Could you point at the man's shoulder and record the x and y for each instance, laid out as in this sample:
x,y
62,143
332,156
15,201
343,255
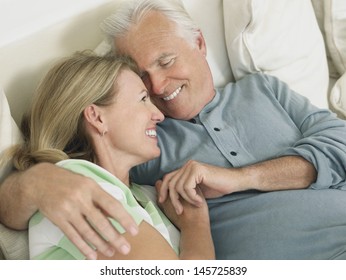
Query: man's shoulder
x,y
248,81
258,80
258,76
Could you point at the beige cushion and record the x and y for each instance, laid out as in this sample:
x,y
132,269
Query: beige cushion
x,y
338,97
9,132
335,32
13,244
209,17
280,38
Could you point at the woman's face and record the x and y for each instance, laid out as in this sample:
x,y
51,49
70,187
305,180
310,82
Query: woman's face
x,y
132,120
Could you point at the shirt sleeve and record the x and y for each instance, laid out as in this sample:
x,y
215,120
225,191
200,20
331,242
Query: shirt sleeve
x,y
323,141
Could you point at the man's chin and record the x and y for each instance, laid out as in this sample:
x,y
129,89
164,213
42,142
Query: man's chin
x,y
180,116
176,112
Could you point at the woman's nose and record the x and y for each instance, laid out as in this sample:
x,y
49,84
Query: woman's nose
x,y
157,114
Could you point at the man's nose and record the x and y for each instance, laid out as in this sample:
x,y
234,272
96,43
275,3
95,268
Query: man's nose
x,y
158,83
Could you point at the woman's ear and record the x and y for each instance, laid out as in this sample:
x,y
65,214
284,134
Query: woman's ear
x,y
93,117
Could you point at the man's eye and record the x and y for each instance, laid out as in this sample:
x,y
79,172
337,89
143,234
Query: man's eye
x,y
167,63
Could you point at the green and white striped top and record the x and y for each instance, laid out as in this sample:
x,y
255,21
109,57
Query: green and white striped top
x,y
47,241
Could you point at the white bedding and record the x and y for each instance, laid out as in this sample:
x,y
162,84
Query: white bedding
x,y
33,33
241,38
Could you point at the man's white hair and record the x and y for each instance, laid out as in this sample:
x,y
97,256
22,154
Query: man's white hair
x,y
130,12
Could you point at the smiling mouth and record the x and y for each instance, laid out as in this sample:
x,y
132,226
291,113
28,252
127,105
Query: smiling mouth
x,y
151,133
173,95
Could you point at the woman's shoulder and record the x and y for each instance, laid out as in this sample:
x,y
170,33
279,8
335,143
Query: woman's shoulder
x,y
91,170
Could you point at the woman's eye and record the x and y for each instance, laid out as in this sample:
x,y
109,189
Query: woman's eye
x,y
145,98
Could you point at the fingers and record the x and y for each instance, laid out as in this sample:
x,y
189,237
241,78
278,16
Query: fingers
x,y
178,183
82,215
166,188
73,235
86,239
174,196
162,191
109,207
184,182
103,236
92,231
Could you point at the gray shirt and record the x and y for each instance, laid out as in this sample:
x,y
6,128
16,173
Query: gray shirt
x,y
255,119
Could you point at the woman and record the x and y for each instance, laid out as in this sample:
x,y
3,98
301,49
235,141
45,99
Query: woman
x,y
93,115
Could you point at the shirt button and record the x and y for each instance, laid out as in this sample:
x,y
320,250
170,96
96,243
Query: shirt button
x,y
193,121
233,153
217,129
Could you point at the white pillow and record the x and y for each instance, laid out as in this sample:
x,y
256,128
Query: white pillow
x,y
280,38
208,15
9,132
338,96
335,32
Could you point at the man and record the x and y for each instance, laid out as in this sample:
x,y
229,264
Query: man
x,y
241,146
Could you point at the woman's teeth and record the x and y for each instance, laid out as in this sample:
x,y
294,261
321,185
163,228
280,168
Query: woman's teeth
x,y
151,133
173,95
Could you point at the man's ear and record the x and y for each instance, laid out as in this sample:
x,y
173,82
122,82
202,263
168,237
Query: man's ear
x,y
200,41
93,117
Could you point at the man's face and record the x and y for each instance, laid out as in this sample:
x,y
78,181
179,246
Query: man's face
x,y
175,72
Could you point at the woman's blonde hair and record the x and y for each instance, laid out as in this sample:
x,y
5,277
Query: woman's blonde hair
x,y
53,129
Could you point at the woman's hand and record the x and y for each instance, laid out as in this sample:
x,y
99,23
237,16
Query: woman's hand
x,y
212,180
192,214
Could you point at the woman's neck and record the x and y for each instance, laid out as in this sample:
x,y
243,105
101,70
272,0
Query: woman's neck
x,y
116,168
115,162
121,173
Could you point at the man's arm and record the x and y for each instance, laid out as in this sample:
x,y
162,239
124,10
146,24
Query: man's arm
x,y
289,172
13,212
71,201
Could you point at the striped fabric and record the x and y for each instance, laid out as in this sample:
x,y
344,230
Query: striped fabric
x,y
47,241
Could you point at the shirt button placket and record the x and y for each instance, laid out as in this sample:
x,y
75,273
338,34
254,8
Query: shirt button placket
x,y
233,153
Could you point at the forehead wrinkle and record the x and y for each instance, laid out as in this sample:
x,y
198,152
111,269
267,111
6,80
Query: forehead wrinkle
x,y
154,35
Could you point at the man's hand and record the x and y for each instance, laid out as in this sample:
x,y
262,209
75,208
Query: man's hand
x,y
73,203
283,173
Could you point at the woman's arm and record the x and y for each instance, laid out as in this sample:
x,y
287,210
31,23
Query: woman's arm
x,y
195,240
57,193
148,244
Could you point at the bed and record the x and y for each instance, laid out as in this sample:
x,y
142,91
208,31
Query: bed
x,y
303,42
